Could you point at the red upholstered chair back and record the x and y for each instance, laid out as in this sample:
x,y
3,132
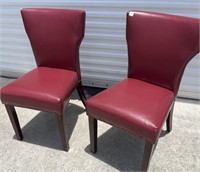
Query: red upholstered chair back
x,y
54,41
160,46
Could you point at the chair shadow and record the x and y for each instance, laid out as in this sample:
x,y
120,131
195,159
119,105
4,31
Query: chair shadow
x,y
88,91
121,150
43,130
163,133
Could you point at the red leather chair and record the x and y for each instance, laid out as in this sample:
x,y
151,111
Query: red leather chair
x,y
159,47
55,36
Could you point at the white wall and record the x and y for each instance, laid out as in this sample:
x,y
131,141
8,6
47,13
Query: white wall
x,y
103,52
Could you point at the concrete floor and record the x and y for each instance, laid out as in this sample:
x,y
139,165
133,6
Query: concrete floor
x,y
41,149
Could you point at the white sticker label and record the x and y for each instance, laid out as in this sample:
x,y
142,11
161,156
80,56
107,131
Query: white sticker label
x,y
131,13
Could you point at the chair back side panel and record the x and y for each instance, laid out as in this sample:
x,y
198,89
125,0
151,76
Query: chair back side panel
x,y
55,36
160,46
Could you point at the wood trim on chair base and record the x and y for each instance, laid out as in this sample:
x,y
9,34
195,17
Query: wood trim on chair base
x,y
18,132
148,149
81,93
61,127
93,134
169,119
14,121
148,152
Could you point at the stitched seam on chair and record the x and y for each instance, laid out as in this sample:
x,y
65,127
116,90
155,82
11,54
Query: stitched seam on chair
x,y
41,109
123,129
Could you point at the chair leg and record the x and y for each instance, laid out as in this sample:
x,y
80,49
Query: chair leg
x,y
169,119
81,92
14,120
93,134
148,152
65,142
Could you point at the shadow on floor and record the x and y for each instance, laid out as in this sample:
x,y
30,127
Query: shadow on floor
x,y
119,149
43,130
89,91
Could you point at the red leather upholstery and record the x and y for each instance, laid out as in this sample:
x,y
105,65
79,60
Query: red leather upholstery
x,y
55,46
134,105
160,46
44,88
55,36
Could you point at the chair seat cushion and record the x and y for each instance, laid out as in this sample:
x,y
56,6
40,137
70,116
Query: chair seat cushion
x,y
136,106
42,88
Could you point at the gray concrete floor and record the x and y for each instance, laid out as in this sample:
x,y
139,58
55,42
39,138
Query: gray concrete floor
x,y
41,149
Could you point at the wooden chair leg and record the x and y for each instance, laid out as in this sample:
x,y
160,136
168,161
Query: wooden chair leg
x,y
81,92
60,122
148,152
93,134
169,119
14,120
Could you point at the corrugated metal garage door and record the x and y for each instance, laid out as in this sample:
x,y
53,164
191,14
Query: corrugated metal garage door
x,y
103,52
